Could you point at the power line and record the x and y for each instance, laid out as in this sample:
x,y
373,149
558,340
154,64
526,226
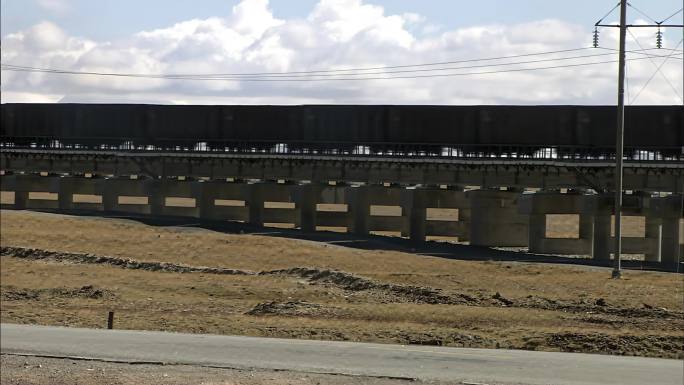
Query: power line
x,y
322,73
284,75
344,71
644,50
657,70
654,74
607,14
671,16
262,79
642,13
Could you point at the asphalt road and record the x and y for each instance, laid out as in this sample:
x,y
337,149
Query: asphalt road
x,y
439,363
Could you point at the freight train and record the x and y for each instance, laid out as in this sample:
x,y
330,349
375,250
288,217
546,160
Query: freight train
x,y
377,129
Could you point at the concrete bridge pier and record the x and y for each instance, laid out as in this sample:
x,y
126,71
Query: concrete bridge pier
x,y
668,212
599,209
358,207
540,204
107,189
255,203
154,190
586,230
65,192
464,217
205,193
537,233
654,230
670,248
306,198
414,203
495,219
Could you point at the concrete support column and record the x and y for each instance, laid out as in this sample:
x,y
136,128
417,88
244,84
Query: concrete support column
x,y
597,209
654,231
670,210
306,198
669,248
204,193
20,199
586,226
154,189
464,216
65,192
537,232
255,203
495,219
358,204
601,242
586,232
414,209
108,189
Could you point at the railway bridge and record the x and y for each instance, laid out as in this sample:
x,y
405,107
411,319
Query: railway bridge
x,y
498,190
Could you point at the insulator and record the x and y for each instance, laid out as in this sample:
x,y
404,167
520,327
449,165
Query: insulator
x,y
596,37
659,39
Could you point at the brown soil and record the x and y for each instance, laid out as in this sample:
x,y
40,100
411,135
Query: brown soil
x,y
18,370
190,280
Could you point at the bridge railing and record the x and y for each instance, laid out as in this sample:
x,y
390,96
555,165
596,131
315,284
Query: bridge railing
x,y
353,149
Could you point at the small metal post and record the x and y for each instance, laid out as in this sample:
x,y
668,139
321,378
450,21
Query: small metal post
x,y
110,320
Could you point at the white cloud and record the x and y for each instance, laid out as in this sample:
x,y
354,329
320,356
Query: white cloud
x,y
55,6
45,36
337,34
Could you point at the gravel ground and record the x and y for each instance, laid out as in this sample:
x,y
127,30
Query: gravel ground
x,y
21,370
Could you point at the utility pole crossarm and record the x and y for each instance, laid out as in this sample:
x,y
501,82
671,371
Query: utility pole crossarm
x,y
642,25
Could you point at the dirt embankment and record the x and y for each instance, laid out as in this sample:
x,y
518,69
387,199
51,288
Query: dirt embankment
x,y
10,293
125,263
338,299
385,292
380,291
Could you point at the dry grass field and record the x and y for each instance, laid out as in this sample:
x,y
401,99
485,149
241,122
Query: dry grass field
x,y
321,291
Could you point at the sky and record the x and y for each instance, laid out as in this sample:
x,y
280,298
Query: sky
x,y
276,36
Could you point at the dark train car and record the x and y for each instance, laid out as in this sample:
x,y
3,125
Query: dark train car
x,y
523,125
346,123
108,124
331,124
27,123
345,128
272,124
594,126
662,132
425,128
644,128
176,125
428,125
